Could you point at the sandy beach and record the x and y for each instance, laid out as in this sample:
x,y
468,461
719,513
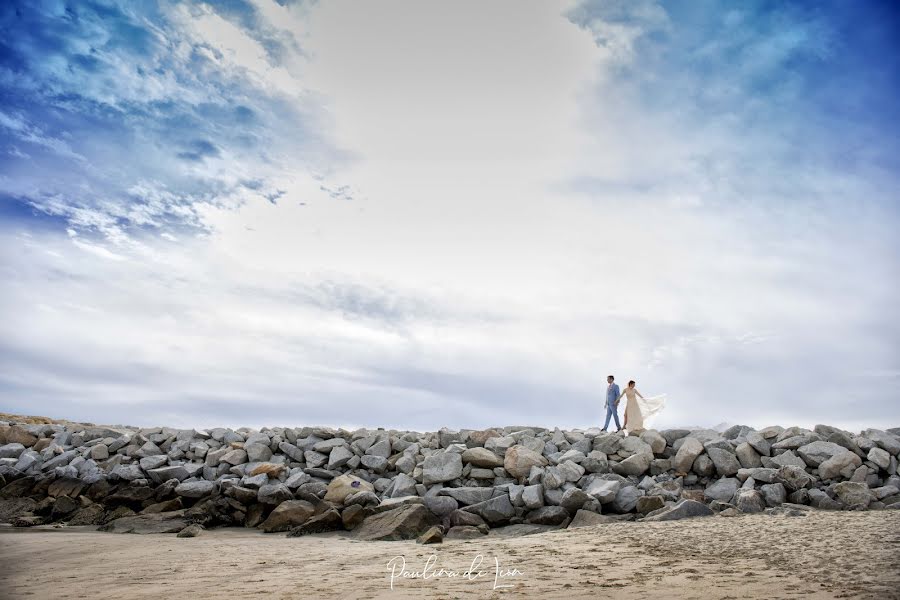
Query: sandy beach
x,y
822,555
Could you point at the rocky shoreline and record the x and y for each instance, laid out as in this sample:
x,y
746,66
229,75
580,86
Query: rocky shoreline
x,y
391,485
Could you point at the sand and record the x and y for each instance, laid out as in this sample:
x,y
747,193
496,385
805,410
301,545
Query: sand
x,y
822,555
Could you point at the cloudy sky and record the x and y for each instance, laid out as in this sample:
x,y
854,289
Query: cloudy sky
x,y
420,214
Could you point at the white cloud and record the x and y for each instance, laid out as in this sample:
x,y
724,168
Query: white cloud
x,y
516,222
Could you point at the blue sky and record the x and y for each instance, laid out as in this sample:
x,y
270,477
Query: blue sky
x,y
420,214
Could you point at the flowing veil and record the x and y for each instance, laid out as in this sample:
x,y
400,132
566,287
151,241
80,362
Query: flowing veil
x,y
651,406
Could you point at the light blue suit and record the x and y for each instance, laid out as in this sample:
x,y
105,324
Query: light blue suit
x,y
612,394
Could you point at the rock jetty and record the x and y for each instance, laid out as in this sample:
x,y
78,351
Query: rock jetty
x,y
389,485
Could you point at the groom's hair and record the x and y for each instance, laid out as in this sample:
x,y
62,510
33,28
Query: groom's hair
x,y
610,377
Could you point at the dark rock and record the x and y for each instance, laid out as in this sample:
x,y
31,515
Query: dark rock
x,y
17,488
241,494
166,506
468,495
117,513
461,517
495,511
547,515
750,501
11,508
66,486
573,499
330,520
131,495
89,515
63,507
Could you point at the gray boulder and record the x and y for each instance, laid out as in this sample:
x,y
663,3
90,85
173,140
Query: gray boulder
x,y
440,467
853,495
842,464
750,501
690,449
726,462
547,515
816,453
195,489
496,511
626,499
722,489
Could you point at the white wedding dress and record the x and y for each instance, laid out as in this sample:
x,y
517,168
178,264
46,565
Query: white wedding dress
x,y
638,411
651,406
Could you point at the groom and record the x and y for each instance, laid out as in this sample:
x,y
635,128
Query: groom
x,y
612,403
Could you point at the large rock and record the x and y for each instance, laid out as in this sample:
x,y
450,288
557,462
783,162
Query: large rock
x,y
329,520
747,456
164,474
842,464
573,499
66,486
816,453
885,440
726,462
547,515
533,496
481,457
653,439
750,501
11,450
441,505
274,493
519,460
635,465
774,493
722,490
626,499
603,490
794,478
287,515
880,457
468,495
164,522
587,518
690,449
787,458
403,523
647,504
258,452
759,443
441,466
345,485
853,495
496,511
683,510
195,489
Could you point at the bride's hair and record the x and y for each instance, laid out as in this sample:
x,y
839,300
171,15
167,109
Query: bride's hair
x,y
631,382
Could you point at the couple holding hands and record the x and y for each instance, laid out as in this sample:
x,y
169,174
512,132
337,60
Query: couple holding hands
x,y
637,407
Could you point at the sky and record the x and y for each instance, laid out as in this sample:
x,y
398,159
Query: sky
x,y
414,214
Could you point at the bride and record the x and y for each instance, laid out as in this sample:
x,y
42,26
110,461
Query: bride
x,y
639,408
